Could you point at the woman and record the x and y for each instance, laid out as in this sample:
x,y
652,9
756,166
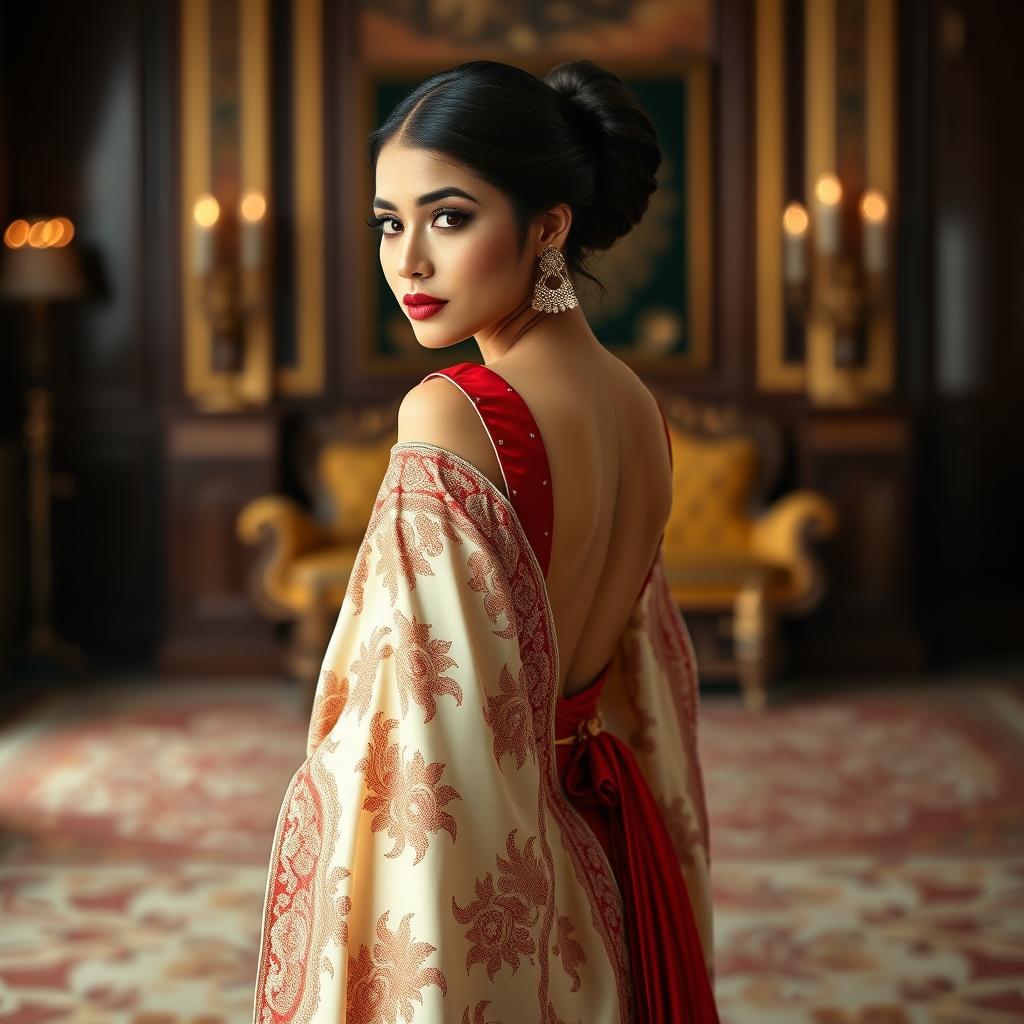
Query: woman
x,y
501,814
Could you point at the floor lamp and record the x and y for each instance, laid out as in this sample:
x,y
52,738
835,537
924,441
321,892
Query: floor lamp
x,y
36,275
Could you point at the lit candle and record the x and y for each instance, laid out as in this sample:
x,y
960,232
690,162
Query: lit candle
x,y
253,209
794,225
874,213
204,216
827,195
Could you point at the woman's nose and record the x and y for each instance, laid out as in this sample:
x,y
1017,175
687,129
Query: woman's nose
x,y
413,260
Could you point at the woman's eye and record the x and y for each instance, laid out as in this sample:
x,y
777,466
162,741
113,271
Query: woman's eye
x,y
451,213
458,216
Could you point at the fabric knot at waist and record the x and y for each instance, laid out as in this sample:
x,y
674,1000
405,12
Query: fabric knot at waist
x,y
586,728
576,716
583,768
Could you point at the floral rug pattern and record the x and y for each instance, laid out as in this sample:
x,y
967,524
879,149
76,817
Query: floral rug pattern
x,y
867,854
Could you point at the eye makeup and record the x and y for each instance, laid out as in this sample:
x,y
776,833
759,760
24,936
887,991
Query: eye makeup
x,y
378,222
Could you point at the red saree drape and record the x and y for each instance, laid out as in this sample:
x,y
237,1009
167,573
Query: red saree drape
x,y
603,781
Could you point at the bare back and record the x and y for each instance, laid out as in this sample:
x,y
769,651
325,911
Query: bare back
x,y
612,480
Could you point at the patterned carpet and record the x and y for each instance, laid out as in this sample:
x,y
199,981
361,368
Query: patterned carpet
x,y
867,851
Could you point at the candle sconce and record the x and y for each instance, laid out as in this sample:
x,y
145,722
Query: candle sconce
x,y
232,294
838,292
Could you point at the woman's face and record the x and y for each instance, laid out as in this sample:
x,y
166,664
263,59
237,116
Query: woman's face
x,y
448,234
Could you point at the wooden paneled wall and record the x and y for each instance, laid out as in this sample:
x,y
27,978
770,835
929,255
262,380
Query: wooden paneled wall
x,y
148,482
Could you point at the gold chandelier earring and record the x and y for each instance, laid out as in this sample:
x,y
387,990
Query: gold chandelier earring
x,y
553,293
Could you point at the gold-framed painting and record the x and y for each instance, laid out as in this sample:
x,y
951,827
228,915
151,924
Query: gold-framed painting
x,y
405,32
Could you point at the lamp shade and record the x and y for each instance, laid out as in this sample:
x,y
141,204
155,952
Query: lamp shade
x,y
53,273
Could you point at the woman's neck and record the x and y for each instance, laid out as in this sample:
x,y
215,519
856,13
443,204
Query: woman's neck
x,y
529,332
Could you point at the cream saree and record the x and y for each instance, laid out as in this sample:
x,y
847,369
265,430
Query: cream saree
x,y
426,865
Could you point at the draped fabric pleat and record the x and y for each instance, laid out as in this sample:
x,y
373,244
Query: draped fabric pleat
x,y
603,781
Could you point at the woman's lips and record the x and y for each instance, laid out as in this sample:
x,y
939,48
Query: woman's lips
x,y
422,310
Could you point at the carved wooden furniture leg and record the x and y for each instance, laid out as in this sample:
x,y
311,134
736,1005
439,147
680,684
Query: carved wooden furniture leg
x,y
753,631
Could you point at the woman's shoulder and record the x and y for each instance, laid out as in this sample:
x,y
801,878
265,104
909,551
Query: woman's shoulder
x,y
438,412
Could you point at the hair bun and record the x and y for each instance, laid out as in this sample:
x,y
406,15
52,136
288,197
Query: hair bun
x,y
610,122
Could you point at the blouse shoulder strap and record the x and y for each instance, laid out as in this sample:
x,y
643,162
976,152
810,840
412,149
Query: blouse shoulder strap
x,y
518,445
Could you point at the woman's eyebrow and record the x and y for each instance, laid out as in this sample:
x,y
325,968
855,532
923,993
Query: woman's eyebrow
x,y
429,197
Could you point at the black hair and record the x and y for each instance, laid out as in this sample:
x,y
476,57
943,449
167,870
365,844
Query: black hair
x,y
578,136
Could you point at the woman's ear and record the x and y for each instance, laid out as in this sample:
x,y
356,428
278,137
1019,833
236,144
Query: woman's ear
x,y
554,227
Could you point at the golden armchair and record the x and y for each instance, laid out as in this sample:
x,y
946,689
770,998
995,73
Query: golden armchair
x,y
305,557
728,554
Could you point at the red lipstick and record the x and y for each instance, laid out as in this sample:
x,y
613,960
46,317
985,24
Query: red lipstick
x,y
420,305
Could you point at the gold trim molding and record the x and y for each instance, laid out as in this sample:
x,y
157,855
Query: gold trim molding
x,y
774,372
307,377
254,164
195,180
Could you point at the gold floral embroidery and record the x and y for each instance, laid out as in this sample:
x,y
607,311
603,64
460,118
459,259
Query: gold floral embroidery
x,y
552,1018
302,909
524,596
478,1014
406,798
300,848
569,950
430,535
673,647
485,516
664,618
485,578
419,664
511,719
330,702
501,921
400,556
641,739
381,987
344,904
365,667
682,830
358,576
